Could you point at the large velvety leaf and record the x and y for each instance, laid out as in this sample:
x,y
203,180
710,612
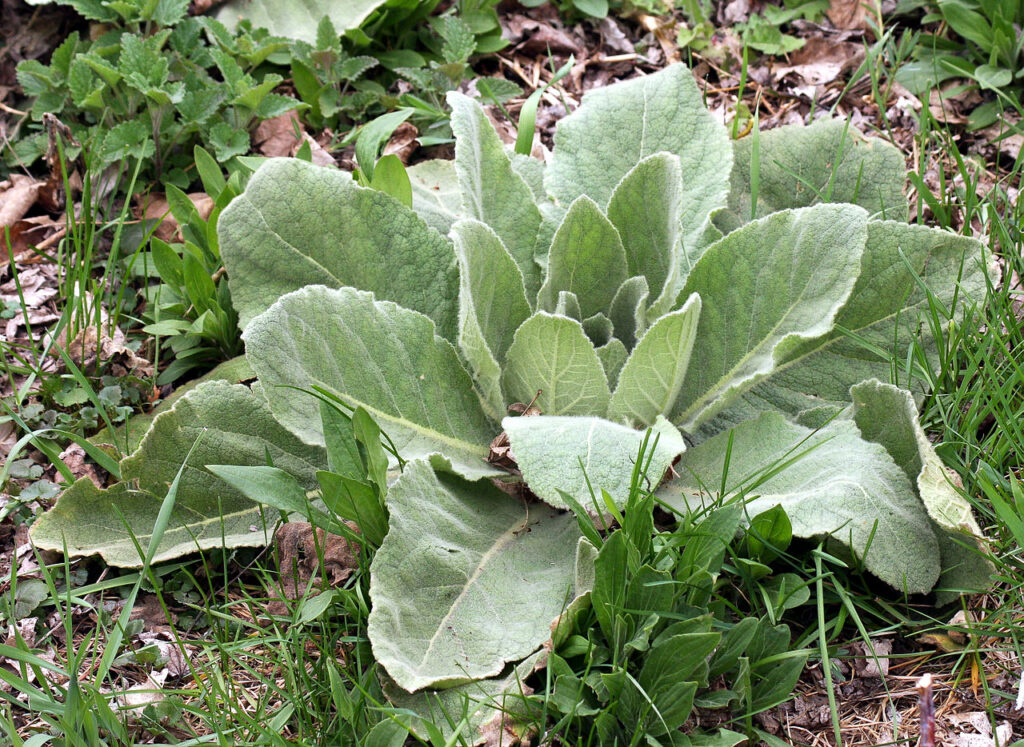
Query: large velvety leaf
x,y
297,19
487,700
829,161
131,432
887,415
766,289
467,579
551,354
886,312
297,224
374,354
562,453
235,427
492,191
618,126
586,259
645,209
841,485
652,376
492,305
435,193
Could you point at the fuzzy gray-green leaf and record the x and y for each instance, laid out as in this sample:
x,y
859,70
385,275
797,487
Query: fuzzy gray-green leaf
x,y
840,485
236,427
766,288
374,354
618,126
586,258
467,579
492,305
653,375
552,354
562,453
297,224
492,191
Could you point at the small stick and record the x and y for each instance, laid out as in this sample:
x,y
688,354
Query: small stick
x,y
926,709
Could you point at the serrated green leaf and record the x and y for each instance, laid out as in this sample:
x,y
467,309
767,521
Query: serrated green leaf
x,y
765,289
618,126
492,306
297,224
653,375
459,587
551,354
492,191
409,380
586,258
840,485
549,451
237,428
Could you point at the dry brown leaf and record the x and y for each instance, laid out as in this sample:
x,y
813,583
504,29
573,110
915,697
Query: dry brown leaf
x,y
317,152
17,196
850,14
279,136
872,659
504,730
74,457
87,348
978,723
403,142
535,37
822,60
299,549
157,209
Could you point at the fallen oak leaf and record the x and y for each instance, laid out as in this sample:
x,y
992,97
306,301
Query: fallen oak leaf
x,y
300,548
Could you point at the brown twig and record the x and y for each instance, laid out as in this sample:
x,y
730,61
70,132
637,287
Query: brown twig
x,y
926,709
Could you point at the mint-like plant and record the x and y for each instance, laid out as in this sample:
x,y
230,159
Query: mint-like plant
x,y
653,274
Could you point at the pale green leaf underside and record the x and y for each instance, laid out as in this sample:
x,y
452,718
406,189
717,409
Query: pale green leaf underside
x,y
492,191
561,453
841,485
652,376
887,415
297,224
551,354
297,19
617,127
460,588
374,354
800,165
436,197
492,305
236,427
586,259
765,288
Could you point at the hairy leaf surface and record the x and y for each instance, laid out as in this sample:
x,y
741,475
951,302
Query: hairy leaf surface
x,y
234,427
297,224
617,127
551,354
562,453
374,354
766,289
841,485
466,580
